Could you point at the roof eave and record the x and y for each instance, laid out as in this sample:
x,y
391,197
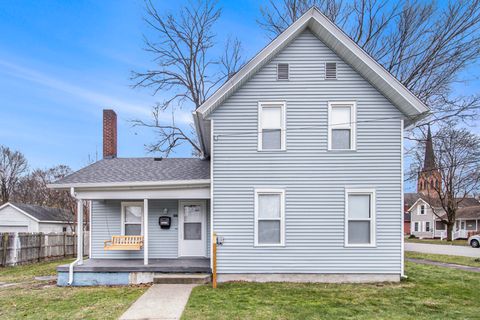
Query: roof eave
x,y
133,184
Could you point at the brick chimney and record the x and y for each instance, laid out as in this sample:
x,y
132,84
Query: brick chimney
x,y
109,134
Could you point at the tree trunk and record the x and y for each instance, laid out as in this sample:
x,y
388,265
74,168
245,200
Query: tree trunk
x,y
449,231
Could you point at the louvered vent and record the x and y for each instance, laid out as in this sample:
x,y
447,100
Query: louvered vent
x,y
331,70
282,71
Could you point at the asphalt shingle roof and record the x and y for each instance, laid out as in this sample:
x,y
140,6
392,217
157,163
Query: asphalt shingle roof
x,y
140,170
45,213
410,198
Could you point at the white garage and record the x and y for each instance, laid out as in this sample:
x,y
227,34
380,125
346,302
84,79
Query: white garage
x,y
19,217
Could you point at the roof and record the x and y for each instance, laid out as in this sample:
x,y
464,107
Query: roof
x,y
468,212
138,170
42,214
344,47
411,198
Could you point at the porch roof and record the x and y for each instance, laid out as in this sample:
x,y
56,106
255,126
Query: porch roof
x,y
137,171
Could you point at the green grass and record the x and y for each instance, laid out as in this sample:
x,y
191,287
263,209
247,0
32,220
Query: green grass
x,y
466,261
430,292
30,299
438,241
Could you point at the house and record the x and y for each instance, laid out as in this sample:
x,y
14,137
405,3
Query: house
x,y
19,217
422,204
302,178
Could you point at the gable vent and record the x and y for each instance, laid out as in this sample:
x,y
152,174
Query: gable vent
x,y
282,71
331,70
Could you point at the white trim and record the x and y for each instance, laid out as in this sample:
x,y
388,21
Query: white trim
x,y
419,210
212,148
132,204
90,229
180,213
415,203
132,184
283,106
352,126
402,207
372,219
336,39
145,231
21,211
282,217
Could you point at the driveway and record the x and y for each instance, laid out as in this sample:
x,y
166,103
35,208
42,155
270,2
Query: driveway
x,y
443,249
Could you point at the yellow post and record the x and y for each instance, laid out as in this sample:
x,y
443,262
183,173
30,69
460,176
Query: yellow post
x,y
214,264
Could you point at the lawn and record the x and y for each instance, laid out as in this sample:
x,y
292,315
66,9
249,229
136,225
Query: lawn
x,y
429,293
31,299
438,241
466,261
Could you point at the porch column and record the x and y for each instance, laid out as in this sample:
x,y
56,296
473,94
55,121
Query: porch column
x,y
80,231
145,231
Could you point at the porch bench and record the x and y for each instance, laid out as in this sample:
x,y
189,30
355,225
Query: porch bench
x,y
124,243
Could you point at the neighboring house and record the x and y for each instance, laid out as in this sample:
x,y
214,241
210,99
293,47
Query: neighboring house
x,y
302,179
406,223
19,217
421,205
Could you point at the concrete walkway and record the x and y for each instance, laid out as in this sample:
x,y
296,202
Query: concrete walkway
x,y
443,264
443,249
161,301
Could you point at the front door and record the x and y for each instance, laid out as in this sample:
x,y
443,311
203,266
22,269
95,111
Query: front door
x,y
192,229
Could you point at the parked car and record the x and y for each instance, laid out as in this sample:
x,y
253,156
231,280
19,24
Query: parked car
x,y
474,241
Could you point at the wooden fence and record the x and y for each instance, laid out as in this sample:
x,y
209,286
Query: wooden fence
x,y
24,248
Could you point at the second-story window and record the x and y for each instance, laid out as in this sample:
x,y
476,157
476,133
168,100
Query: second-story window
x,y
341,126
271,126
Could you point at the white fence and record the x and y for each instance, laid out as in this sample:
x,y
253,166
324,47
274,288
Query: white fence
x,y
25,248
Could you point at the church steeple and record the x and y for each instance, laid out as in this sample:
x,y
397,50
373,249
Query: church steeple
x,y
429,179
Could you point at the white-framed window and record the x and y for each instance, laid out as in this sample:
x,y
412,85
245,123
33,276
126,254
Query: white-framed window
x,y
427,226
132,218
341,125
416,226
269,217
360,217
271,126
421,209
283,70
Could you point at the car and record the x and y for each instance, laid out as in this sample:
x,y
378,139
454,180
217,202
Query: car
x,y
474,241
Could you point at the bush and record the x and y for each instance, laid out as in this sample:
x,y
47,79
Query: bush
x,y
412,237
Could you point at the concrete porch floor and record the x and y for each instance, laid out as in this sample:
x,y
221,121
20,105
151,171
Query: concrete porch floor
x,y
180,265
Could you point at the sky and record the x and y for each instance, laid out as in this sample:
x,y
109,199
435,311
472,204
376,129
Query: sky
x,y
62,62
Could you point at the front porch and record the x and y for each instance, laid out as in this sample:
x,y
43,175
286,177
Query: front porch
x,y
180,265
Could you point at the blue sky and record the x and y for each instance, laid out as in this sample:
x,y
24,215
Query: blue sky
x,y
62,62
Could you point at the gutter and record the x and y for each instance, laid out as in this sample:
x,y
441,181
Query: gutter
x,y
130,185
70,267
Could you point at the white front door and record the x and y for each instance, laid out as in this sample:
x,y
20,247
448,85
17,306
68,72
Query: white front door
x,y
192,228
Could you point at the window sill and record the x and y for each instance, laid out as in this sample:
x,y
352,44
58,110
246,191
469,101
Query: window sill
x,y
360,245
273,151
342,150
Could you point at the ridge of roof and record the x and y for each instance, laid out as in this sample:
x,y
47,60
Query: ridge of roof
x,y
315,20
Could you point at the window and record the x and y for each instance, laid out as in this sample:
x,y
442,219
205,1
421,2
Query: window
x,y
360,217
341,126
271,126
422,209
330,70
64,229
439,225
269,217
427,226
282,71
132,218
415,226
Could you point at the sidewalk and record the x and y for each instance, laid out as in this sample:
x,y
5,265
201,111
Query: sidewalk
x,y
161,301
444,264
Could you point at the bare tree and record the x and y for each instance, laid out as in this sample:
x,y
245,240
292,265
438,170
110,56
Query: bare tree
x,y
187,69
32,189
422,44
13,166
457,154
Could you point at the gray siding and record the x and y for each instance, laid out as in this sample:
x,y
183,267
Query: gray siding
x,y
314,179
163,243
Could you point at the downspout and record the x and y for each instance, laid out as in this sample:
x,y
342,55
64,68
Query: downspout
x,y
70,267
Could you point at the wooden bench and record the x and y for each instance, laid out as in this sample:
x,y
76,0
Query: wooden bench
x,y
124,243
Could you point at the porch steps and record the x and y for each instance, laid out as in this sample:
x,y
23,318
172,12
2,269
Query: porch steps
x,y
182,278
